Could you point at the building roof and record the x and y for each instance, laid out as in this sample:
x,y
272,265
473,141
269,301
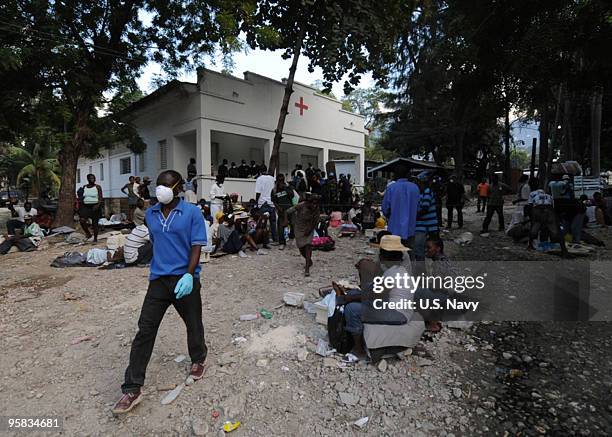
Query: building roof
x,y
410,162
157,94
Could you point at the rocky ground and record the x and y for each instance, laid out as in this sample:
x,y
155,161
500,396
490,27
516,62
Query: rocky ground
x,y
66,335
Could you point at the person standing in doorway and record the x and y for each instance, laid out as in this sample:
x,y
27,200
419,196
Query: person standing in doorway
x,y
91,198
177,232
191,168
455,193
263,195
222,170
217,196
400,206
496,204
483,195
243,170
305,220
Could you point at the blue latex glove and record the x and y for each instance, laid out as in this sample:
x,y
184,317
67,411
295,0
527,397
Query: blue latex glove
x,y
184,286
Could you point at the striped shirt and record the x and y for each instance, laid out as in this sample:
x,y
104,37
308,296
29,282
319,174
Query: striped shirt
x,y
134,241
427,221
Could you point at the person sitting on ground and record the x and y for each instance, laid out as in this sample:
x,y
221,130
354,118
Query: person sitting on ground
x,y
44,219
206,212
18,222
28,241
229,239
368,216
261,233
601,214
233,171
139,212
354,215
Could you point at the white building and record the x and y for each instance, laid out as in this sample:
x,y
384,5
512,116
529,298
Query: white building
x,y
225,117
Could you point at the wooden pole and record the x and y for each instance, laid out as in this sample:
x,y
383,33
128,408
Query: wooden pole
x,y
534,144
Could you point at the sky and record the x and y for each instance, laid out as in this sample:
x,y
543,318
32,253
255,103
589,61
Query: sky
x,y
262,62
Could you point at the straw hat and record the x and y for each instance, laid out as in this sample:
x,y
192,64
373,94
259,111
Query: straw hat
x,y
392,243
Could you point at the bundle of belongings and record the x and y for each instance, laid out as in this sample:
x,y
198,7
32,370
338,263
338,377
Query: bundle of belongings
x,y
348,230
121,251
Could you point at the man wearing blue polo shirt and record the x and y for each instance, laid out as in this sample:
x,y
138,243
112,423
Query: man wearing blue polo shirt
x,y
400,206
177,232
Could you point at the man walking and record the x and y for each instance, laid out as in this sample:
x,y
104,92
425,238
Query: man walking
x,y
400,206
496,204
177,232
454,200
427,219
483,195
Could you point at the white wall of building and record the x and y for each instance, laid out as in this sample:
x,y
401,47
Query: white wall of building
x,y
238,115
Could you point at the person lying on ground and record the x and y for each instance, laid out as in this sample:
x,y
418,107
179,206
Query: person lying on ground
x,y
137,248
28,241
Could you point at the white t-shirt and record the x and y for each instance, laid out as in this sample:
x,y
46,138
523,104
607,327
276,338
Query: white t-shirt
x,y
135,240
21,212
215,191
264,186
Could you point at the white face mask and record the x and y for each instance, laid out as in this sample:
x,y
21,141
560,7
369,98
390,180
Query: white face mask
x,y
164,194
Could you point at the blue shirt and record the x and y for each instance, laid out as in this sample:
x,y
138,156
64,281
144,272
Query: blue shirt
x,y
400,206
427,221
173,238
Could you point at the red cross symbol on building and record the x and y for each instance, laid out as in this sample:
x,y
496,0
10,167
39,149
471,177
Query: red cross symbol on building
x,y
301,105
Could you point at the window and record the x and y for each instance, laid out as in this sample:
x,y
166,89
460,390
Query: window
x,y
125,165
142,159
78,175
101,171
163,155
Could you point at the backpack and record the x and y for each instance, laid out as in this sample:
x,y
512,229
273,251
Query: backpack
x,y
323,243
339,337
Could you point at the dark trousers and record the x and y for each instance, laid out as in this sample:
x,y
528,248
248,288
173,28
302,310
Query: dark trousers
x,y
500,217
481,200
160,296
544,218
13,224
281,224
270,209
23,244
450,208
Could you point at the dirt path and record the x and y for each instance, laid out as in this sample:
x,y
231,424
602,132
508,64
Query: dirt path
x,y
260,382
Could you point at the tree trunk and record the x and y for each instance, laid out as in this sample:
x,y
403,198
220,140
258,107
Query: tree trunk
x,y
568,140
274,165
69,158
507,145
543,155
458,140
534,144
596,105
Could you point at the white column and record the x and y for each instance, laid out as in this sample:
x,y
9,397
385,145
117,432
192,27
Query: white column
x,y
203,154
322,158
360,165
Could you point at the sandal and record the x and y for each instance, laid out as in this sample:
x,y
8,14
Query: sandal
x,y
350,358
